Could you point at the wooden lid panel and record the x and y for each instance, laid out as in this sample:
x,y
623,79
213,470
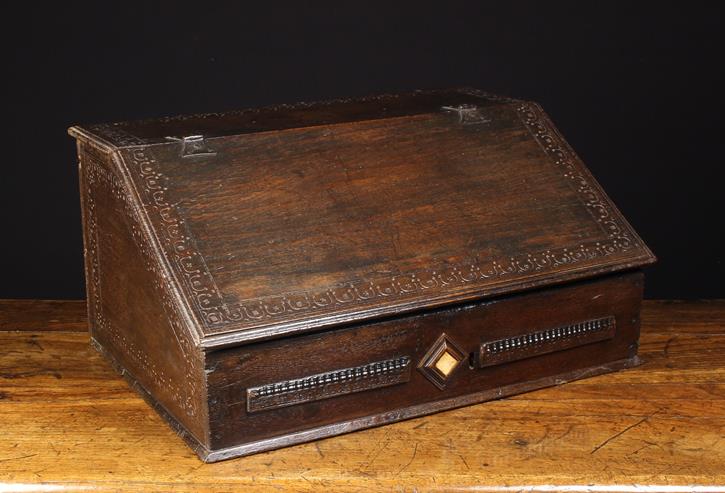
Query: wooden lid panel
x,y
274,232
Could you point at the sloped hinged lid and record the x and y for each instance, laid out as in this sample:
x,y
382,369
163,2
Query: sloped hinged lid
x,y
281,220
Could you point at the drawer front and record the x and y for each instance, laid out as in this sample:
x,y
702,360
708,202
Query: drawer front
x,y
277,388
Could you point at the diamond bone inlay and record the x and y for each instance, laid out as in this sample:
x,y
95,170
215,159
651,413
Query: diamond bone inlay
x,y
442,359
446,363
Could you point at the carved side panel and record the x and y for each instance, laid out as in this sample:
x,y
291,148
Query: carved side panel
x,y
131,312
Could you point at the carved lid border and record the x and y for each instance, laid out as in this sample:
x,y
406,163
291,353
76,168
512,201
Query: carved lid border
x,y
216,315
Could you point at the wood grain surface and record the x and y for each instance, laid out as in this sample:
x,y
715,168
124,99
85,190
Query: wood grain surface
x,y
213,259
41,315
68,422
340,212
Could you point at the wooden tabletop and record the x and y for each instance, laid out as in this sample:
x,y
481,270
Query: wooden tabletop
x,y
68,422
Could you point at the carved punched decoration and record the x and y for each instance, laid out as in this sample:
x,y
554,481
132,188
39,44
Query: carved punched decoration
x,y
215,314
331,384
96,176
113,132
545,341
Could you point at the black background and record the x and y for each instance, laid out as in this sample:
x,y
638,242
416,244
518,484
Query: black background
x,y
637,89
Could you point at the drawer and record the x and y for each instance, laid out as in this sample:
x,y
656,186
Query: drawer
x,y
275,393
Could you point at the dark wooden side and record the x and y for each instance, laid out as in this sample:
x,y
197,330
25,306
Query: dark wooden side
x,y
290,369
132,318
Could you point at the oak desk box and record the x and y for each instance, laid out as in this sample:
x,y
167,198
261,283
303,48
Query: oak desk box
x,y
272,276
